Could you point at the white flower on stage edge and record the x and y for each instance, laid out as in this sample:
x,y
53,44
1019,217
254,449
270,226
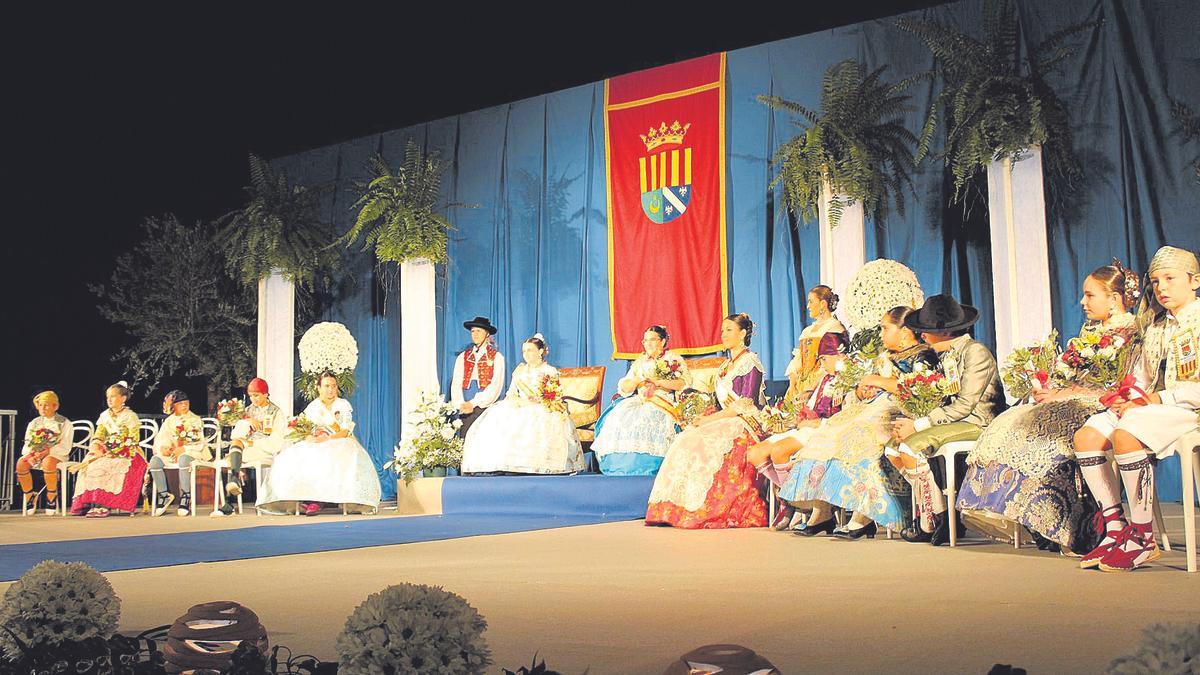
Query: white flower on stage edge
x,y
878,287
328,346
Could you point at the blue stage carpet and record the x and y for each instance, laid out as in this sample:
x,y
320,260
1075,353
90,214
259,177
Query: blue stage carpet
x,y
471,506
163,550
614,497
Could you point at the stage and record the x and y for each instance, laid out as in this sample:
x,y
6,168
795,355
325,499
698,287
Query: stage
x,y
619,597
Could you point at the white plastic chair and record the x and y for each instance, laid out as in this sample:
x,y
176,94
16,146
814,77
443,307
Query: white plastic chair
x,y
79,448
949,452
1188,449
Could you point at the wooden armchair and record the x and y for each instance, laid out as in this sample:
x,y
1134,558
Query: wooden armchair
x,y
704,372
581,390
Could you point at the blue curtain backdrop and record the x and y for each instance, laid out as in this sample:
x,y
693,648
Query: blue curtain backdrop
x,y
531,251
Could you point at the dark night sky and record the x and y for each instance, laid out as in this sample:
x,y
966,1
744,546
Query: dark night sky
x,y
111,118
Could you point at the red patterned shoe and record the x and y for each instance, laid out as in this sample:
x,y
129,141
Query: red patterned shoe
x,y
1110,522
1134,548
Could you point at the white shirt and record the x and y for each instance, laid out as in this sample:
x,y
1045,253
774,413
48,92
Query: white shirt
x,y
492,392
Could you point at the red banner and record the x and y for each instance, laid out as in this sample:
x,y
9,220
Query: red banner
x,y
664,135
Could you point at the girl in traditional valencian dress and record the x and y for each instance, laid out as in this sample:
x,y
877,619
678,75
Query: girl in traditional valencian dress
x,y
110,477
803,371
47,443
1152,407
529,431
327,467
633,435
842,463
704,481
1023,469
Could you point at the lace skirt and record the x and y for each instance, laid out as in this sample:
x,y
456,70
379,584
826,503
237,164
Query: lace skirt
x,y
337,471
1023,471
705,481
522,437
634,437
842,463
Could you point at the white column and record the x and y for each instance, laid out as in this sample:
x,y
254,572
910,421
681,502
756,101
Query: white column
x,y
277,338
418,335
843,246
1020,255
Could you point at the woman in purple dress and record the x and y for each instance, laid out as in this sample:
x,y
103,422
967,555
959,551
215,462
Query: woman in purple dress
x,y
705,481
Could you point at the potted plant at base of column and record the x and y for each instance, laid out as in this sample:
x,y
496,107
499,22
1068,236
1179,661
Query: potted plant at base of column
x,y
431,445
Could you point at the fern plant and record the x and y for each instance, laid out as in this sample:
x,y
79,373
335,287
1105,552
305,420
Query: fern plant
x,y
857,142
997,104
279,229
398,211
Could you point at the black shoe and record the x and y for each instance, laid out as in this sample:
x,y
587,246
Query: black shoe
x,y
915,535
824,527
185,505
227,509
941,529
867,531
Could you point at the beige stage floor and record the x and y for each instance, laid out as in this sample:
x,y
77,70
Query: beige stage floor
x,y
625,598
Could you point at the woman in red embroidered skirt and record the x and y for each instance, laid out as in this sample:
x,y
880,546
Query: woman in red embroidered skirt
x,y
705,481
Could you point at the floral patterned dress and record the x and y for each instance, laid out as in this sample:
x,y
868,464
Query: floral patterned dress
x,y
634,434
705,481
1023,467
842,462
111,481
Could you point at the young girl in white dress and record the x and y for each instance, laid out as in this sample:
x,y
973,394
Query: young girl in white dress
x,y
525,433
328,467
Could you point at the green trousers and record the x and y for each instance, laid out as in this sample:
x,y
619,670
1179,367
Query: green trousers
x,y
927,442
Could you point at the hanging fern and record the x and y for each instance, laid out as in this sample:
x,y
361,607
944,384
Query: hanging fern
x,y
279,228
857,142
398,212
997,104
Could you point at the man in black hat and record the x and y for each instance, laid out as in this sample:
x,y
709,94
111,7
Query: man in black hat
x,y
478,374
976,397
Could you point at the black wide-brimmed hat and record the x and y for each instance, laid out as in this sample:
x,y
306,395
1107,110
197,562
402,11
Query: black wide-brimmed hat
x,y
942,314
481,322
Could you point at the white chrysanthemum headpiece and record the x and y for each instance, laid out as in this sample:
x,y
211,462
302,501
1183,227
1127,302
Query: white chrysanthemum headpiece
x,y
328,346
878,287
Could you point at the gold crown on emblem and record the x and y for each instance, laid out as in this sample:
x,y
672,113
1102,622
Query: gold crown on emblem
x,y
664,135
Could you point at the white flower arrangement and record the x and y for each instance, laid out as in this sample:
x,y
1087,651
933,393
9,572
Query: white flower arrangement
x,y
56,603
411,628
327,346
878,287
430,441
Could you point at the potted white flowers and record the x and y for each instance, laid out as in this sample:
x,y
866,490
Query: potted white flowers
x,y
431,446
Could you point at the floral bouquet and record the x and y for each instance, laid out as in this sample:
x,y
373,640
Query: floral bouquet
x,y
41,438
230,411
431,441
667,370
300,428
550,394
863,359
1094,358
1030,367
123,443
327,346
693,404
188,434
922,390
